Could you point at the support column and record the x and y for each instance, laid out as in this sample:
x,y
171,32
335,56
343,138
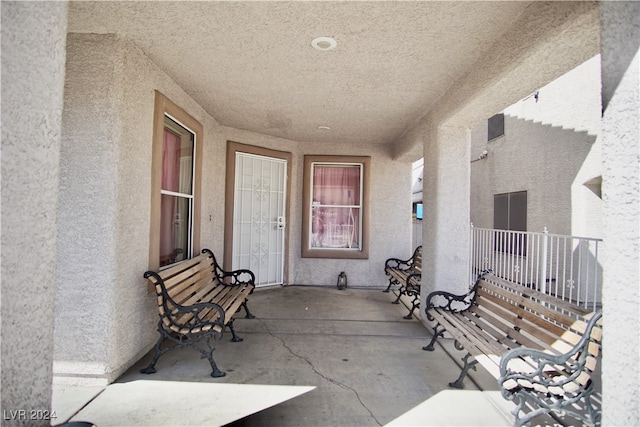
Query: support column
x,y
87,223
445,234
620,41
33,59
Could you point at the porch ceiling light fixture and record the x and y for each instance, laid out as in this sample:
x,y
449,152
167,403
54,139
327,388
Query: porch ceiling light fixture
x,y
324,43
323,128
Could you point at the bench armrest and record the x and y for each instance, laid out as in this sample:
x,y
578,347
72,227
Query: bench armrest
x,y
449,302
398,264
232,278
238,277
534,372
401,264
452,302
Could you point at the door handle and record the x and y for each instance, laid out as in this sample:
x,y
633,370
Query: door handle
x,y
281,223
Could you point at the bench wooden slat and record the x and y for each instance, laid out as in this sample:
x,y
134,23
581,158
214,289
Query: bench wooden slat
x,y
178,268
199,291
535,320
536,339
482,339
446,322
225,295
559,304
523,303
508,308
233,308
523,321
509,337
539,332
193,294
186,278
537,313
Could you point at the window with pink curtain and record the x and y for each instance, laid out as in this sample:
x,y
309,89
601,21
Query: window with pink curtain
x,y
336,206
176,194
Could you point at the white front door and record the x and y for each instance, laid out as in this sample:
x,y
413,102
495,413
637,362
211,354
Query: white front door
x,y
259,217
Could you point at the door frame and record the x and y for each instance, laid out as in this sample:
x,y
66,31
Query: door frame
x,y
229,198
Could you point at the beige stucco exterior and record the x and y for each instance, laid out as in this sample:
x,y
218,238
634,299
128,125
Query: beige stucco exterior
x,y
550,148
75,230
33,52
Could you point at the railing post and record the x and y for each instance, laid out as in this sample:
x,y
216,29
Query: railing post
x,y
543,272
472,253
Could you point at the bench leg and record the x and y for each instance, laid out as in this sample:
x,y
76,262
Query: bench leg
x,y
410,315
415,303
235,338
246,310
391,283
467,366
208,354
150,369
438,331
400,293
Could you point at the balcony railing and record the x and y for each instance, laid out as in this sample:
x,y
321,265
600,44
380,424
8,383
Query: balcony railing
x,y
566,267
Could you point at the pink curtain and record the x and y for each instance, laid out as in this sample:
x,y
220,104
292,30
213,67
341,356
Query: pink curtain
x,y
171,147
335,220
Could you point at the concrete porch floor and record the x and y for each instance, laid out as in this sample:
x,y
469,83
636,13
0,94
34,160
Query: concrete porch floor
x,y
365,361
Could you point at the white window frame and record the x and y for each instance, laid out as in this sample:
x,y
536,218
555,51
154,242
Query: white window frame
x,y
187,196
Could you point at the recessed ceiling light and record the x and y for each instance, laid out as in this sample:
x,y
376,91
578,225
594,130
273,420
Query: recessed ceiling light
x,y
324,43
324,128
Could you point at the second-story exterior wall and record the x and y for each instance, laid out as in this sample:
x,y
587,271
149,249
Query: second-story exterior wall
x,y
550,149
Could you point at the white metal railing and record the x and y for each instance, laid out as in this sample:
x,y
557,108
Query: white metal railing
x,y
566,267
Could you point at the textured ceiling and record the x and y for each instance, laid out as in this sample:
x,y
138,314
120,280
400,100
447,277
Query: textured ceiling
x,y
252,67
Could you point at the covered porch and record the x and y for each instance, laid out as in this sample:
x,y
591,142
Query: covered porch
x,y
78,177
314,356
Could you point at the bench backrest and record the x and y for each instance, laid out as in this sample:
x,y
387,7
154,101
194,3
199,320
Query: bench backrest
x,y
533,319
417,259
184,284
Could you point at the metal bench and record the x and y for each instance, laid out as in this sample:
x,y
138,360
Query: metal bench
x,y
406,274
196,301
543,350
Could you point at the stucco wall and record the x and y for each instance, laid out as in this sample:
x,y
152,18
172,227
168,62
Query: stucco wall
x,y
105,207
540,159
105,203
390,221
550,149
621,194
571,101
33,55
